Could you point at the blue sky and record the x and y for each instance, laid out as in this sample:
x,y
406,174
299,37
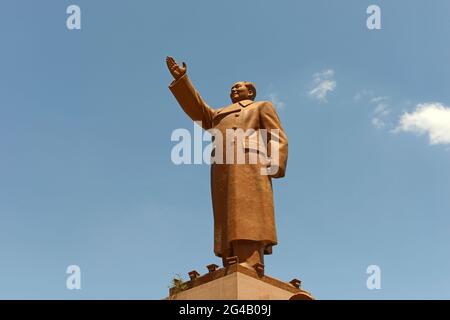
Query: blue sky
x,y
86,118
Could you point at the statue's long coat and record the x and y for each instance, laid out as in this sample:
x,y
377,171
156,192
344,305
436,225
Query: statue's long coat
x,y
242,197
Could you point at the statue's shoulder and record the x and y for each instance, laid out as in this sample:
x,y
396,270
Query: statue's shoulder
x,y
218,110
264,104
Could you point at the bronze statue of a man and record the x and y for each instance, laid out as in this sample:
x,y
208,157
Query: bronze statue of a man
x,y
242,198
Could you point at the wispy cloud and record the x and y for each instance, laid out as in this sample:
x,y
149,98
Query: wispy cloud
x,y
378,123
323,83
362,94
280,105
381,107
381,111
429,118
378,99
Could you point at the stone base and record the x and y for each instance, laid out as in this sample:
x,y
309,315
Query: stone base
x,y
236,282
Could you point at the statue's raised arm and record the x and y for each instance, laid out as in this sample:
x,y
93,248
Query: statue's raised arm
x,y
187,96
175,69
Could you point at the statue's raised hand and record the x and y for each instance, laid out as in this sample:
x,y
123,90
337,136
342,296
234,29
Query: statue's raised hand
x,y
176,71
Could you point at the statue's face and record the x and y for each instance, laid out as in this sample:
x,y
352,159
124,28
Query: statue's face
x,y
240,92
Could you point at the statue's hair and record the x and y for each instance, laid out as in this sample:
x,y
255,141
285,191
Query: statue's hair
x,y
251,86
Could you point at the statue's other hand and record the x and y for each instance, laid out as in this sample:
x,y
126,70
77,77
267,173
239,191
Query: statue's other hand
x,y
176,71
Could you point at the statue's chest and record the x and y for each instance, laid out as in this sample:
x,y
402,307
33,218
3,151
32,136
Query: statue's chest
x,y
244,118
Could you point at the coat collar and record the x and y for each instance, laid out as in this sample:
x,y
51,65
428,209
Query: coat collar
x,y
245,103
235,106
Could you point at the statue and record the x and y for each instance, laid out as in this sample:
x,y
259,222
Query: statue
x,y
242,198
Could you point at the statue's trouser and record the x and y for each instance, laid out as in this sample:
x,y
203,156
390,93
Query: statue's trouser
x,y
249,252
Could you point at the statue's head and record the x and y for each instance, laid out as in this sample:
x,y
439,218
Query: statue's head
x,y
242,91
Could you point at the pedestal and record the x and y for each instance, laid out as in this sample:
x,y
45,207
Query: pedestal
x,y
236,282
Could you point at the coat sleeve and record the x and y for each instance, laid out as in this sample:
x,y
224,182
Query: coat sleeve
x,y
191,101
276,138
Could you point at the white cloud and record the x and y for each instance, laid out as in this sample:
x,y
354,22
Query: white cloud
x,y
276,101
428,118
323,84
